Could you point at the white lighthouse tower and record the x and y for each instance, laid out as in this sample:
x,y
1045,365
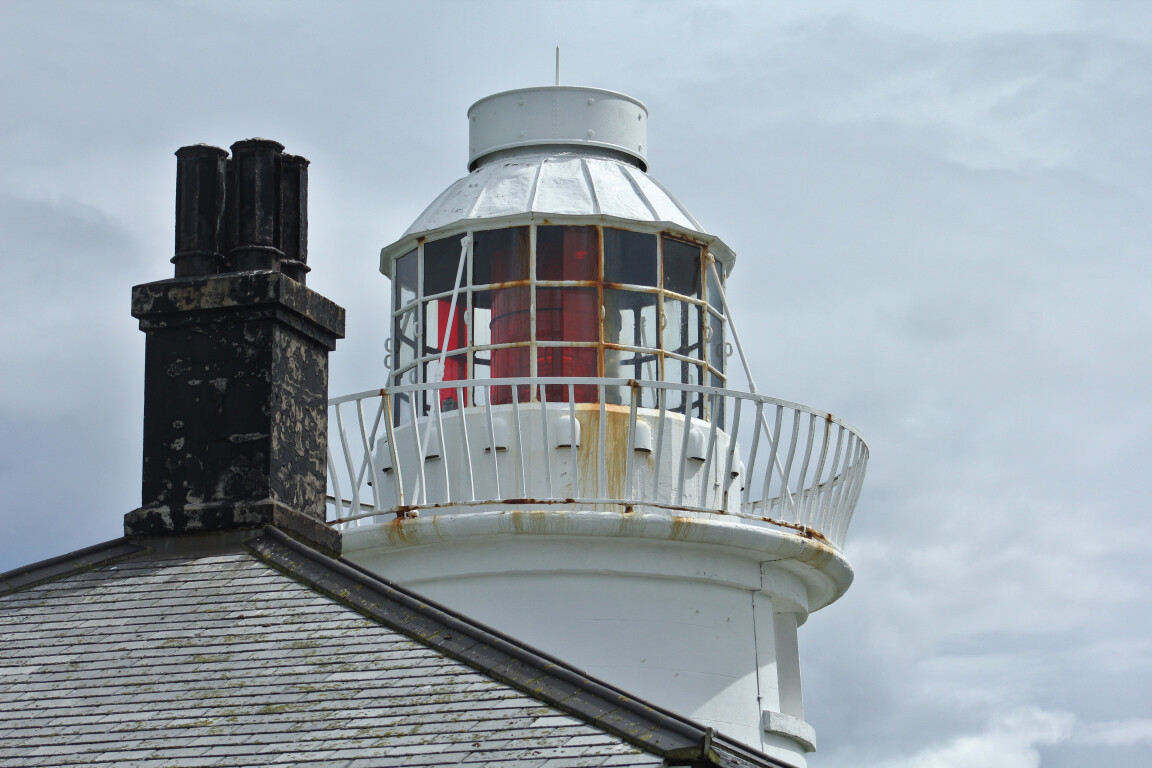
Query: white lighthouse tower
x,y
570,446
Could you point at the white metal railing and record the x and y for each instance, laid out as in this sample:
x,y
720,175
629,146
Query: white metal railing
x,y
743,454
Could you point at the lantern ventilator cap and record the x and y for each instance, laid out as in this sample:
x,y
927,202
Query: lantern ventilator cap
x,y
560,115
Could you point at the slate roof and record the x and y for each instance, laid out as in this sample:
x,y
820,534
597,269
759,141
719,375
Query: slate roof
x,y
241,650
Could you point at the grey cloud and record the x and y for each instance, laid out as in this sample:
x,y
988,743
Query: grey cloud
x,y
941,227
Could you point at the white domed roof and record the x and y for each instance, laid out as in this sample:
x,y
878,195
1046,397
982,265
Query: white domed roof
x,y
560,154
533,187
563,183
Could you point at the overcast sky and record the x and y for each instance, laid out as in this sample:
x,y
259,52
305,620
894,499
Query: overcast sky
x,y
941,216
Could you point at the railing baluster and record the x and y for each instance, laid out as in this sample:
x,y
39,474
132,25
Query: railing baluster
x,y
354,501
369,457
798,513
420,493
662,416
377,496
339,497
364,434
747,503
706,481
845,472
787,471
522,478
574,439
630,444
547,442
461,392
773,462
811,508
730,454
492,437
827,490
858,467
602,472
687,434
843,507
443,448
390,434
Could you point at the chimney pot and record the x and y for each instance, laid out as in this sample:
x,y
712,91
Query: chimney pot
x,y
255,209
200,171
294,216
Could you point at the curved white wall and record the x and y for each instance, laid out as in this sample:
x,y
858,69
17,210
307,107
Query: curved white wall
x,y
696,614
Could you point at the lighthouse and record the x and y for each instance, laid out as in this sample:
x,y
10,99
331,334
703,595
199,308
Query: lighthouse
x,y
570,445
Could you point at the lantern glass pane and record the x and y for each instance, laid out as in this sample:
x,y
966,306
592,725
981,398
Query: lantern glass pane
x,y
404,280
567,253
500,256
567,314
630,318
441,261
630,257
681,267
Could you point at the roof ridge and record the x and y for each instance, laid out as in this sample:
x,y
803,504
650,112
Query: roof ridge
x,y
67,564
540,675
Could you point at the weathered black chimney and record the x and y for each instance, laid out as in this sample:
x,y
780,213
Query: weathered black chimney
x,y
236,362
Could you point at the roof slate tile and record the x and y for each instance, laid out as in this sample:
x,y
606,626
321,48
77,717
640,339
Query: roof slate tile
x,y
142,652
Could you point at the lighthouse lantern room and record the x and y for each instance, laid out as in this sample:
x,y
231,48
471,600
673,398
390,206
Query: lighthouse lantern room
x,y
560,450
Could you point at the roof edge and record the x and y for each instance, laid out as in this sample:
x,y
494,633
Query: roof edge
x,y
68,564
499,656
717,247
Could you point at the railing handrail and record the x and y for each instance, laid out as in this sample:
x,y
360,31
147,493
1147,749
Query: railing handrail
x,y
536,381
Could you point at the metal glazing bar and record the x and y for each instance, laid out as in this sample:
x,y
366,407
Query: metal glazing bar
x,y
465,247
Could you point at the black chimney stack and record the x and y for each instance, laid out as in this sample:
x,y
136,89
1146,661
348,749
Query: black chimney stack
x,y
236,362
